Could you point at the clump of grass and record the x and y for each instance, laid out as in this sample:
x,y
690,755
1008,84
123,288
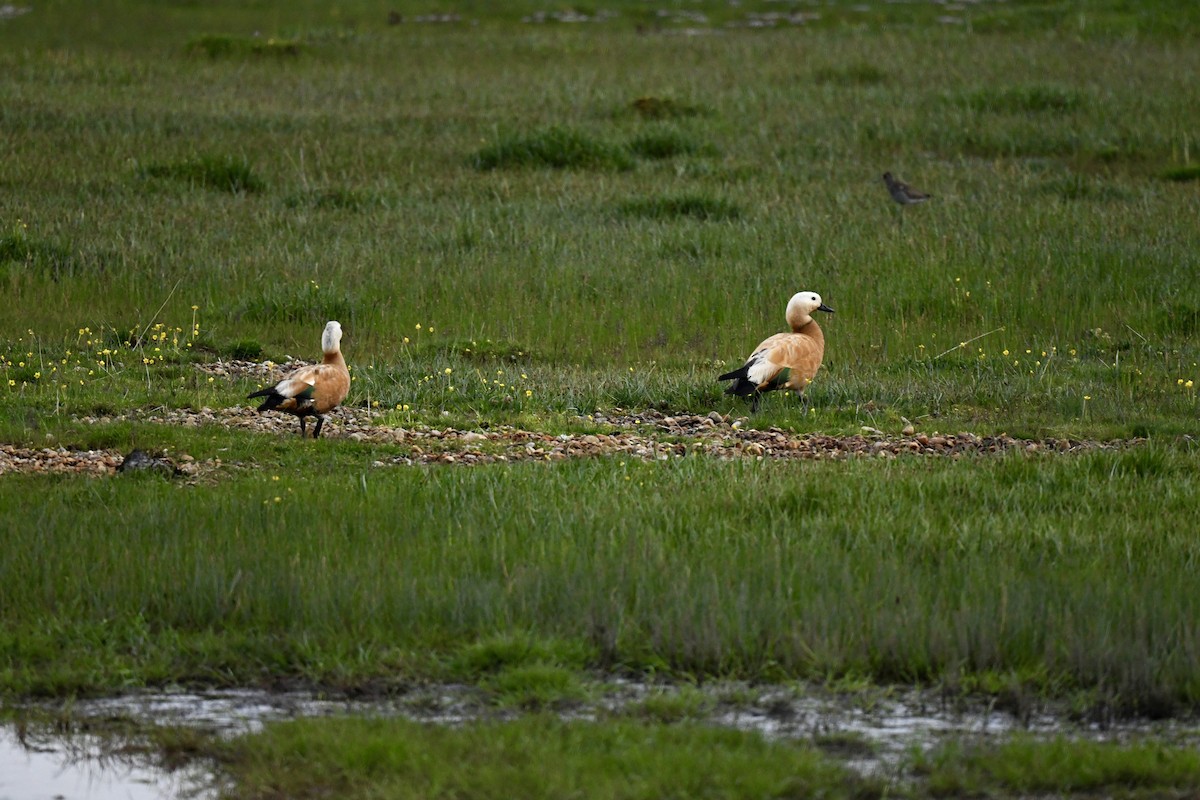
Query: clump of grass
x,y
858,74
697,206
536,686
488,350
299,303
556,148
1077,187
244,349
1031,766
1020,99
514,650
333,198
665,108
1180,318
1144,462
219,46
214,45
222,173
277,47
667,143
536,757
1016,141
16,249
1182,174
688,703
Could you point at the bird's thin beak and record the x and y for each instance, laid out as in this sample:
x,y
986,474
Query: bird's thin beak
x,y
825,308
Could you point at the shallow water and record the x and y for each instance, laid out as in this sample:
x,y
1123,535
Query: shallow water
x,y
880,729
82,769
76,766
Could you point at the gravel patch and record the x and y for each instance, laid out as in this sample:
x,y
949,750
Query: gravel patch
x,y
647,435
650,436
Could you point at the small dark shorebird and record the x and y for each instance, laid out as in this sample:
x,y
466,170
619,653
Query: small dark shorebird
x,y
902,193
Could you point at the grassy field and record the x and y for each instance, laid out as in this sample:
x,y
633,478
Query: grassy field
x,y
1049,576
521,219
620,252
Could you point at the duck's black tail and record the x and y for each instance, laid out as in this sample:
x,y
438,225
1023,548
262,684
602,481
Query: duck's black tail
x,y
741,386
273,398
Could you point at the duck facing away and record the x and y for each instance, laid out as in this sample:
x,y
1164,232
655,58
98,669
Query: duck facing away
x,y
785,360
312,391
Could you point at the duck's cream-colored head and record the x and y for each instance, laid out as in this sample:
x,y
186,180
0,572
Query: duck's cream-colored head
x,y
801,306
331,339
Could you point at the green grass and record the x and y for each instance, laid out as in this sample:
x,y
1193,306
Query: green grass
x,y
651,107
672,707
667,143
859,74
696,206
222,173
1021,99
515,228
1060,767
1069,574
534,758
217,46
797,157
1182,174
558,148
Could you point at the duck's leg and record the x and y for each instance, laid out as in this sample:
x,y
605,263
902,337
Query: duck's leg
x,y
303,426
320,422
754,402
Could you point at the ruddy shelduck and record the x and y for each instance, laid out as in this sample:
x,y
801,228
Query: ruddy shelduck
x,y
312,391
785,360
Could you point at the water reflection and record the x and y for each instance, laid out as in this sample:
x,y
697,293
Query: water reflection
x,y
83,767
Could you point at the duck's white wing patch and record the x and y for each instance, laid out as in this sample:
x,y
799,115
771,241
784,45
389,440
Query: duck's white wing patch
x,y
761,369
297,383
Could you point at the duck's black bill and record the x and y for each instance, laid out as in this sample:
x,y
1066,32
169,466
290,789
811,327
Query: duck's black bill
x,y
824,307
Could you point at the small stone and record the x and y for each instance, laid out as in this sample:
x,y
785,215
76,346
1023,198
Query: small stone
x,y
138,460
908,430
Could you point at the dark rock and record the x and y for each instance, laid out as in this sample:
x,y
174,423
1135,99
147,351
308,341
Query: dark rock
x,y
139,460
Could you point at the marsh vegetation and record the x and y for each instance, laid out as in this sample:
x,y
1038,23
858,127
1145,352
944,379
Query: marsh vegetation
x,y
567,224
